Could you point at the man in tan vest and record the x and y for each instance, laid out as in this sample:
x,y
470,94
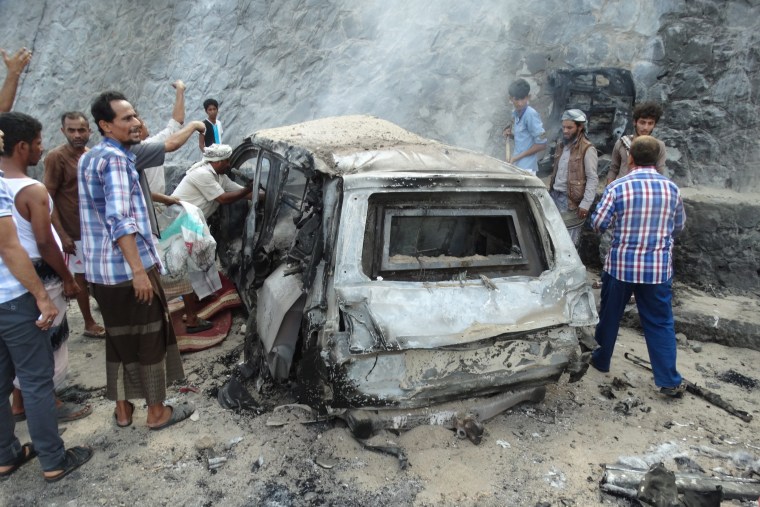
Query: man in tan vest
x,y
574,179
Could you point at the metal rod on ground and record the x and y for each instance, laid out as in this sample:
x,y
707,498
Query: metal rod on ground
x,y
734,488
696,390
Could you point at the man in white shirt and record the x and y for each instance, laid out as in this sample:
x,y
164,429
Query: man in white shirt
x,y
206,186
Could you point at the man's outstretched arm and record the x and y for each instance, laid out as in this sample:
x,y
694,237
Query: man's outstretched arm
x,y
15,66
176,140
178,113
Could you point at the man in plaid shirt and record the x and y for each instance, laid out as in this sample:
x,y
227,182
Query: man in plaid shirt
x,y
647,211
122,266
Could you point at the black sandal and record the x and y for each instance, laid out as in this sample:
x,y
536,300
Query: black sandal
x,y
73,459
27,454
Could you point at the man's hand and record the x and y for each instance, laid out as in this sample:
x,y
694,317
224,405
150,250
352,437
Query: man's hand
x,y
199,126
582,213
48,312
179,85
70,288
143,288
507,132
17,62
69,246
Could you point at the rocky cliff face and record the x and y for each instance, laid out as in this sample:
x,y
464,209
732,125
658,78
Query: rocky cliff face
x,y
437,68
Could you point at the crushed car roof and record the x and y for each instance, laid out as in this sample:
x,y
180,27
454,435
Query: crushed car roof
x,y
354,144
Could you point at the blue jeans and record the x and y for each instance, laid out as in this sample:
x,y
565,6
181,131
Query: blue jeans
x,y
656,313
25,351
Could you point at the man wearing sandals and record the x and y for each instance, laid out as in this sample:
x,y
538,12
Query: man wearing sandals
x,y
122,266
32,217
26,314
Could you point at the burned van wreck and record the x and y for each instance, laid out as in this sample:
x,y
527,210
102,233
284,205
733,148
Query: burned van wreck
x,y
387,272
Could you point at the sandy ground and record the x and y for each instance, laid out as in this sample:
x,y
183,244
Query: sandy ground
x,y
547,454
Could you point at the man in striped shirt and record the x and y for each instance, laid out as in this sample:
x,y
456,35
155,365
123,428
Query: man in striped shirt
x,y
647,211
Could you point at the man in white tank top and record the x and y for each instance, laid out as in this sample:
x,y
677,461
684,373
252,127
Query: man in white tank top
x,y
31,213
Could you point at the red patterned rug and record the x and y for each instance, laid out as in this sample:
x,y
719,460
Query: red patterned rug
x,y
216,308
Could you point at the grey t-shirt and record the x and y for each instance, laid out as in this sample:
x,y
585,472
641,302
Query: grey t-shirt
x,y
148,155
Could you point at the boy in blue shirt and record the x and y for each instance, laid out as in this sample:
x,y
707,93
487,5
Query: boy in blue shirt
x,y
526,129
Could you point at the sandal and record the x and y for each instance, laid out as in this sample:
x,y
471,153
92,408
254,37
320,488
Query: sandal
x,y
116,417
179,413
72,459
202,325
27,454
67,412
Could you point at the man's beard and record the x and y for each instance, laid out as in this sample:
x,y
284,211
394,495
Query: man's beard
x,y
566,141
131,141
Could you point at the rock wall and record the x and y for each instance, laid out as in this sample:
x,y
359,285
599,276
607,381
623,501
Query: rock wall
x,y
438,68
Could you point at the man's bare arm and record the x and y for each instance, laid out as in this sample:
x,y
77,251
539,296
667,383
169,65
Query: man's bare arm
x,y
35,199
234,196
536,148
140,281
179,138
15,66
168,200
178,113
16,259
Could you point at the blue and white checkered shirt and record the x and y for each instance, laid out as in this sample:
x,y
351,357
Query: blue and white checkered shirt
x,y
112,205
10,288
647,210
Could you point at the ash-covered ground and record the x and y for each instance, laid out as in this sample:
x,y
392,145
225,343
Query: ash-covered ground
x,y
533,455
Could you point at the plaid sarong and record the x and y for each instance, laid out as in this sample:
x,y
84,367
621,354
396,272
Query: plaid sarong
x,y
142,356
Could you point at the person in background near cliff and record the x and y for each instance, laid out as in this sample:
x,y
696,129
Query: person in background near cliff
x,y
574,179
213,133
648,212
645,118
122,266
527,128
60,179
15,66
26,315
32,208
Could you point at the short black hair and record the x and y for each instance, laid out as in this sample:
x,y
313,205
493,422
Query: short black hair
x,y
519,89
18,127
101,108
210,102
647,110
645,150
72,115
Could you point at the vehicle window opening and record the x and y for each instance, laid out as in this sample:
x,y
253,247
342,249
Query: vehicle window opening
x,y
451,236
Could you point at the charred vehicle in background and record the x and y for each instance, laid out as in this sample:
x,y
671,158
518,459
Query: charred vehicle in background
x,y
389,273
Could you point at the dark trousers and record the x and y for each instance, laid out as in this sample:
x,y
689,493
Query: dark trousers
x,y
656,313
26,352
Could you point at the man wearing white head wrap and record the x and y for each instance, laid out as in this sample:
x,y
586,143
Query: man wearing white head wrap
x,y
574,179
205,185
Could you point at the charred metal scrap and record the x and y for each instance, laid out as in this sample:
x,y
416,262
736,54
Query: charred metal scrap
x,y
363,259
